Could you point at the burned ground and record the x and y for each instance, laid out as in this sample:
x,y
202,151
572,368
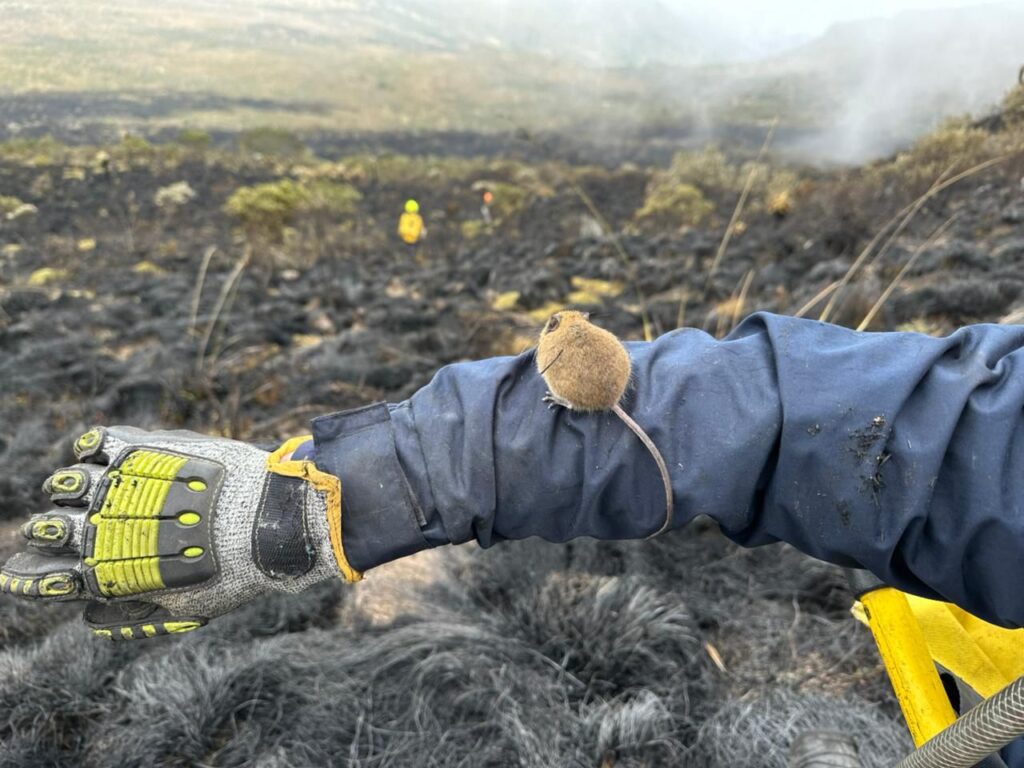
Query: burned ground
x,y
682,651
526,655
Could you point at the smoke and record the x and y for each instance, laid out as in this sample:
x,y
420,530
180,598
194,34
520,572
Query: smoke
x,y
847,83
857,91
893,80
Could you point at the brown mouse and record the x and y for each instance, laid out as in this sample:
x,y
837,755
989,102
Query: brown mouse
x,y
586,369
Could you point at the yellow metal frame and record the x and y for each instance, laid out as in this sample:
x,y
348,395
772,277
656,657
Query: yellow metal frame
x,y
912,672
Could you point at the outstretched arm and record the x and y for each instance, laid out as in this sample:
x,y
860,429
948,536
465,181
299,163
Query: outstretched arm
x,y
895,452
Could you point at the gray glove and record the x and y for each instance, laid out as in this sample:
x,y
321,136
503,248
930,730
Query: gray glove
x,y
162,531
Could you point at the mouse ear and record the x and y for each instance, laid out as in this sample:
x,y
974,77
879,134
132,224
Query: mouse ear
x,y
586,315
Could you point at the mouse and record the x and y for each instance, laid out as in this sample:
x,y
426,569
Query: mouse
x,y
588,369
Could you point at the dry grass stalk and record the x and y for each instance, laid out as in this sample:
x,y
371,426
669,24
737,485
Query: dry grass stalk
x,y
741,304
223,341
904,217
715,656
740,204
681,314
725,312
1016,317
193,318
938,233
225,292
819,296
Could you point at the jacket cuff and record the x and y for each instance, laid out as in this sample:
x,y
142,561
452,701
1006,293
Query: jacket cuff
x,y
380,519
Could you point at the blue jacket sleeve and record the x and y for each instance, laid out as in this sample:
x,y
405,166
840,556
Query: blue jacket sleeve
x,y
895,452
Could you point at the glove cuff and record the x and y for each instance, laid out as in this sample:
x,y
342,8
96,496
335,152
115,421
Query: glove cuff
x,y
328,485
382,517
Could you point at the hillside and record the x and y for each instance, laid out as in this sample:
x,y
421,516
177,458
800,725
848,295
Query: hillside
x,y
356,66
599,71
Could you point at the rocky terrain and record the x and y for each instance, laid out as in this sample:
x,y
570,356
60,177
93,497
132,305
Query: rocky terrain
x,y
243,291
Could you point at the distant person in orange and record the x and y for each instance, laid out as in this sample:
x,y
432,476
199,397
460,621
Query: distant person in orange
x,y
485,207
410,225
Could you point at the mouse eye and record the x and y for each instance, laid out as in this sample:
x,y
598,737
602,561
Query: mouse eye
x,y
552,324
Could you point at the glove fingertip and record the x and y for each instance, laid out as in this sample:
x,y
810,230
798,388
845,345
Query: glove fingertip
x,y
89,444
137,621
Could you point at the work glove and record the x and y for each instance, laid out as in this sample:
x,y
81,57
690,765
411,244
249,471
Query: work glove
x,y
162,531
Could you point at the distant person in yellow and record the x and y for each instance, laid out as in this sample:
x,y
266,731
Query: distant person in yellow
x,y
410,225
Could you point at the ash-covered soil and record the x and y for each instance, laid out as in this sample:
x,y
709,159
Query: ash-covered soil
x,y
682,651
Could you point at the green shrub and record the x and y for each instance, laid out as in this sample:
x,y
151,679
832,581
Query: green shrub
x,y
509,199
471,229
707,170
697,184
675,205
330,198
271,142
194,139
1013,105
264,210
9,205
134,149
954,146
35,152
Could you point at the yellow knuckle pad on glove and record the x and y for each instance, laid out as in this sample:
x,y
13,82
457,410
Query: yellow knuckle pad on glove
x,y
47,530
141,631
50,585
50,532
89,443
128,620
149,527
66,484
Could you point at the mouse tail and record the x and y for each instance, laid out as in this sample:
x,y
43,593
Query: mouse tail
x,y
662,467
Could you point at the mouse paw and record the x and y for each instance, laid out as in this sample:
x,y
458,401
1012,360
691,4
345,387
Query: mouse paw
x,y
554,401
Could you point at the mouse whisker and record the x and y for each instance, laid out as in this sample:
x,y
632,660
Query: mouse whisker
x,y
552,362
